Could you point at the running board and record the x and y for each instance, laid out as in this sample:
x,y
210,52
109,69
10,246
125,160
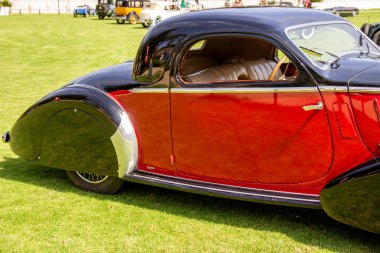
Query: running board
x,y
232,192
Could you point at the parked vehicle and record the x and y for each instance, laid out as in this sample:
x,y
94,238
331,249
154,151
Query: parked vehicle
x,y
155,12
372,31
128,10
83,10
105,8
266,108
343,11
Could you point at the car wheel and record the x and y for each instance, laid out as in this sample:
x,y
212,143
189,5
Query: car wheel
x,y
120,21
95,183
376,38
101,17
132,19
85,15
145,25
75,15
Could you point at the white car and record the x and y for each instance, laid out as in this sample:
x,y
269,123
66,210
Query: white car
x,y
154,12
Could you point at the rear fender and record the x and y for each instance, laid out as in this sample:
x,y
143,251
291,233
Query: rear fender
x,y
77,128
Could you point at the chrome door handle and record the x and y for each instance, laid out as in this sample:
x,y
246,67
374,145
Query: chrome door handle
x,y
318,106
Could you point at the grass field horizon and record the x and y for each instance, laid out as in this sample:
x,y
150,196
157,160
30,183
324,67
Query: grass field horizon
x,y
41,211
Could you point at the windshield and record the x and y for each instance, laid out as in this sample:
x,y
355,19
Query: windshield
x,y
325,43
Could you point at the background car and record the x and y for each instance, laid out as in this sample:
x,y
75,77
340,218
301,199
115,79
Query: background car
x,y
83,10
128,10
155,12
105,8
372,31
343,11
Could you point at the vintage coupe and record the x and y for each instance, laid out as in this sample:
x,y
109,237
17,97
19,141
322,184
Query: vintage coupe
x,y
245,103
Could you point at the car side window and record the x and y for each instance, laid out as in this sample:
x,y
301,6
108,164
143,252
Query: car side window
x,y
223,60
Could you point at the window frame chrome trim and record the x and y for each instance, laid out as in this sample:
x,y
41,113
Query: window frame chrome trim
x,y
356,89
150,90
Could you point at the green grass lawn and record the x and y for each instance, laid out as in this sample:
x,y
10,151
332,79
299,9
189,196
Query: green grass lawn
x,y
40,211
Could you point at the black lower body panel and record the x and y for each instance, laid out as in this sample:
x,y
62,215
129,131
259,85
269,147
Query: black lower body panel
x,y
233,192
354,197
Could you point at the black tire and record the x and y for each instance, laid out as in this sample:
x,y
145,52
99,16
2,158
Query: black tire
x,y
376,38
101,17
120,21
85,15
95,183
144,25
75,15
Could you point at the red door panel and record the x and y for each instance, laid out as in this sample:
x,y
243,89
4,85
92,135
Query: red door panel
x,y
264,137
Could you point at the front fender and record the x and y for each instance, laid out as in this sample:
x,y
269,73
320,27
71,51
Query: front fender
x,y
354,197
77,128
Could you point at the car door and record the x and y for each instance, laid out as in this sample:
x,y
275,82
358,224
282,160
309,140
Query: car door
x,y
263,132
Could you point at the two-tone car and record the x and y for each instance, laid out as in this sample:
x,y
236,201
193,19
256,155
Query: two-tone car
x,y
243,103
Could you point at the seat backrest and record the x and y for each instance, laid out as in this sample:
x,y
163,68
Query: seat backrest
x,y
247,70
261,69
196,63
226,72
240,58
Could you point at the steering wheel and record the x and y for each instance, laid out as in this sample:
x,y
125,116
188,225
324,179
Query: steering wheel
x,y
275,70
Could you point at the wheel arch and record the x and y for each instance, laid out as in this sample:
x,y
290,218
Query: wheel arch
x,y
75,127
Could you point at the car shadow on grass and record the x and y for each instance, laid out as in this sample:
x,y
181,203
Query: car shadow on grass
x,y
307,226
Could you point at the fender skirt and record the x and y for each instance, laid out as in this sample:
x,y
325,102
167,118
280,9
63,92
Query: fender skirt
x,y
354,197
77,128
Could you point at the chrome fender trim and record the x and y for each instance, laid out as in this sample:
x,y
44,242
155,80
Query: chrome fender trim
x,y
125,142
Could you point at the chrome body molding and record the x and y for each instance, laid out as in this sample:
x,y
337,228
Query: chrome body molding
x,y
242,90
150,90
361,89
325,88
245,90
233,192
126,147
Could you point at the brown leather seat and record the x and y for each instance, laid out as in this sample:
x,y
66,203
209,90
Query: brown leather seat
x,y
196,63
241,58
261,70
226,72
247,70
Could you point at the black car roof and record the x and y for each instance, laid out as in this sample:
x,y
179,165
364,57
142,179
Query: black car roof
x,y
159,43
256,18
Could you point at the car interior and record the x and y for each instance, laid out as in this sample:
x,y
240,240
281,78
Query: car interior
x,y
235,59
